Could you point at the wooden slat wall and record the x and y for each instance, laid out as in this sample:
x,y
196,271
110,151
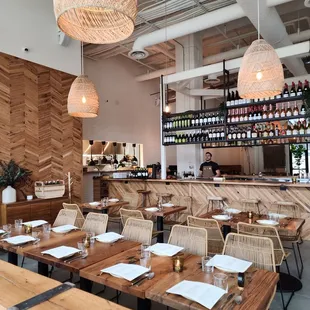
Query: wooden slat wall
x,y
35,128
233,193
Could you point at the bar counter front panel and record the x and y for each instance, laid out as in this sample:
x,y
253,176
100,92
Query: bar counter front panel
x,y
232,191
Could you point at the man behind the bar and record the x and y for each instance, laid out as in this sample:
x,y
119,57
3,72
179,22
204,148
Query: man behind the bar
x,y
209,168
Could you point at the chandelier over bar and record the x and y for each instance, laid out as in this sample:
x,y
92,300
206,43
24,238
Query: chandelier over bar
x,y
261,73
96,21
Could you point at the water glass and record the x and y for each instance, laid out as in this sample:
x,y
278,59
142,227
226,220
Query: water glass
x,y
91,236
7,228
35,234
273,217
18,223
146,261
104,201
220,280
47,228
81,247
204,267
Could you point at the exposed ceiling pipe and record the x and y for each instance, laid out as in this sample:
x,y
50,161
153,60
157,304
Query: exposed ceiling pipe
x,y
272,30
302,36
202,22
299,49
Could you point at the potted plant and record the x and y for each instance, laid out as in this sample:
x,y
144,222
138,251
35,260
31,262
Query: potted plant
x,y
12,175
298,151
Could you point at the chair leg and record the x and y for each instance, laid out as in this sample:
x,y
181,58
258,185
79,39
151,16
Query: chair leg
x,y
301,267
282,297
287,267
22,265
51,271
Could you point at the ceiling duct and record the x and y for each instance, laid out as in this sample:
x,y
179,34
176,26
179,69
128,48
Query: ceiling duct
x,y
202,22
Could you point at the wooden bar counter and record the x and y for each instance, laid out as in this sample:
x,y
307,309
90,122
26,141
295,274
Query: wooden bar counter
x,y
232,190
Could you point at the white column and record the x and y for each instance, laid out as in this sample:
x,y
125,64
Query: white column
x,y
163,157
189,58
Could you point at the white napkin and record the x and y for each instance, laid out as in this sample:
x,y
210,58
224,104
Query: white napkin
x,y
63,228
203,293
61,251
126,271
164,249
229,263
114,200
168,205
108,237
95,203
36,223
153,209
19,239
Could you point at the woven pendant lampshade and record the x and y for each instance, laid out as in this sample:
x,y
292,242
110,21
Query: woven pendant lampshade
x,y
261,73
83,99
96,21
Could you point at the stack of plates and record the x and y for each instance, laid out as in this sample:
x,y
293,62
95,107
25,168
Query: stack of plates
x,y
221,217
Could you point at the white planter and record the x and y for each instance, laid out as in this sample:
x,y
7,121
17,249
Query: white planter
x,y
9,195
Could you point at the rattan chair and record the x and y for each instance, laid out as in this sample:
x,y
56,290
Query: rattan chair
x,y
258,250
96,223
194,240
215,236
215,202
79,222
251,205
138,230
65,217
291,209
179,218
132,198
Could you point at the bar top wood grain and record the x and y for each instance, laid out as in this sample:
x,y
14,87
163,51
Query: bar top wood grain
x,y
18,285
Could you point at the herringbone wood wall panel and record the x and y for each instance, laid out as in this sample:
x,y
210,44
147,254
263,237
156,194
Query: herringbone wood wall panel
x,y
35,128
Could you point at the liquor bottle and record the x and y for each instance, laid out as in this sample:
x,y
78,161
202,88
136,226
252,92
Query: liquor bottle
x,y
228,117
283,113
245,115
193,121
289,130
276,131
271,130
213,118
238,99
265,115
222,134
270,113
302,129
299,89
254,132
243,133
236,115
277,111
232,100
201,120
217,118
197,120
234,134
209,118
285,93
218,134
295,130
250,114
303,109
265,132
295,110
306,86
228,99
241,115
239,133
249,132
289,110
229,136
255,113
293,90
190,138
259,114
205,119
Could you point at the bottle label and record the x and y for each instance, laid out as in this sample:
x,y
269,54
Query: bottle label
x,y
285,95
301,131
282,114
295,132
228,103
292,94
308,131
288,113
288,132
254,135
229,136
264,116
271,134
299,93
278,96
276,115
295,113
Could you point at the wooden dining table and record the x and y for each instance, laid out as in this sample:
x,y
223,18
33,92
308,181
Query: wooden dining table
x,y
86,207
287,226
160,214
18,285
258,290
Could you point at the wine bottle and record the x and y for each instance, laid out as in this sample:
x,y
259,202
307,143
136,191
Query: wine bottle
x,y
295,110
295,130
285,93
250,114
209,119
308,129
213,118
283,112
288,130
277,111
228,117
237,99
293,90
245,117
255,114
303,109
222,134
259,114
232,101
276,131
232,116
306,86
249,132
193,121
197,120
217,118
271,130
241,115
254,132
265,132
228,99
265,115
243,133
289,110
302,129
299,88
201,120
236,115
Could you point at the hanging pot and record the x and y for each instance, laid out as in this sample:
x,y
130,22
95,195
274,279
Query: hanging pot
x,y
9,195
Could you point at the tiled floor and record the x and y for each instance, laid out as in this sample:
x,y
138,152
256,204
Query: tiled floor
x,y
301,300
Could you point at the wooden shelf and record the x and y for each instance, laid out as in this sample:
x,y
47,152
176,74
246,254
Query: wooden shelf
x,y
268,120
194,128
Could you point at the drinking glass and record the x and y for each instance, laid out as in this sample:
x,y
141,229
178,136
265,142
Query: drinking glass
x,y
220,280
145,261
47,228
145,252
91,236
35,234
204,267
81,247
273,217
18,223
7,228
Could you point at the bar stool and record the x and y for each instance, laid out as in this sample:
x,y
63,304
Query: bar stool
x,y
250,205
291,209
215,200
165,197
145,196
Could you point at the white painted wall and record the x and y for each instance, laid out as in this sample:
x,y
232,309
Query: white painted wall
x,y
127,111
32,24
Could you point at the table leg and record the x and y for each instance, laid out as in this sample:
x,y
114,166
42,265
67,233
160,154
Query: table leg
x,y
86,285
226,230
13,258
143,304
143,201
160,227
43,269
105,211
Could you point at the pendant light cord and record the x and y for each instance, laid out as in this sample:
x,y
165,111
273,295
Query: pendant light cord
x,y
82,59
258,22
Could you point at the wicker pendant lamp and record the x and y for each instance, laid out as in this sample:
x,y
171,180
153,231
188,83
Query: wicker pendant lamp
x,y
96,21
83,100
261,73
